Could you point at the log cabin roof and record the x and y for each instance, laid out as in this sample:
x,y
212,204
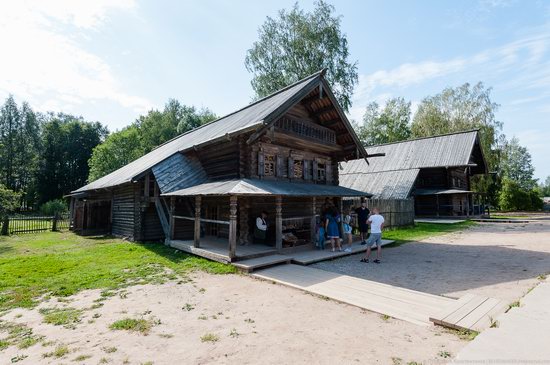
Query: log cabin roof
x,y
393,175
254,187
257,116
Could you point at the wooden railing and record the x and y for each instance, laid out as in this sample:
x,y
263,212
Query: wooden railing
x,y
29,224
202,219
306,129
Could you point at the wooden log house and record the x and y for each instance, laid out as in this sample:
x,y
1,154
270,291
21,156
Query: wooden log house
x,y
435,171
202,191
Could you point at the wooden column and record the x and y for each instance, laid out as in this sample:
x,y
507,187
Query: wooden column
x,y
232,226
198,201
172,220
437,204
313,218
279,223
244,206
342,215
467,204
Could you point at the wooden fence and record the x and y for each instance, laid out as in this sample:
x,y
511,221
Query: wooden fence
x,y
28,224
396,212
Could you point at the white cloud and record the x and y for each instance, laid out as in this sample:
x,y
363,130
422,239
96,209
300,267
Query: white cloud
x,y
44,61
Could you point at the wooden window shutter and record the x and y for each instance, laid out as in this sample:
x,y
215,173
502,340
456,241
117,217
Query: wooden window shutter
x,y
280,166
307,170
328,172
260,163
290,167
314,170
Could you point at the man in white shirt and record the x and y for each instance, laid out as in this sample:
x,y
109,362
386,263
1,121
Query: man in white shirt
x,y
260,231
376,222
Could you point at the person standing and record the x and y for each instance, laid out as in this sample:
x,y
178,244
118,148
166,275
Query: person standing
x,y
376,222
260,231
348,230
362,217
331,227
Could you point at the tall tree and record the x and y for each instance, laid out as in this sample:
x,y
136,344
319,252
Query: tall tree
x,y
68,143
388,124
149,131
545,187
10,131
516,165
297,44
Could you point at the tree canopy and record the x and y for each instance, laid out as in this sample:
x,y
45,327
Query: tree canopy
x,y
388,124
296,44
146,133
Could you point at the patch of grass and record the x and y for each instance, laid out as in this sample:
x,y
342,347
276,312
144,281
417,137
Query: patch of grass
x,y
541,277
104,360
202,290
422,230
467,335
66,317
141,325
18,335
249,320
188,307
385,317
234,333
166,335
18,358
109,350
396,360
63,263
82,357
203,318
147,363
515,304
59,351
210,337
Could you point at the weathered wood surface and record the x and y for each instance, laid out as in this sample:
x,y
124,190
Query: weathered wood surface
x,y
405,304
470,312
250,265
124,212
162,217
312,256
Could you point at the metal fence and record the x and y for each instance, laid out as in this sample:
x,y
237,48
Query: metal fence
x,y
19,224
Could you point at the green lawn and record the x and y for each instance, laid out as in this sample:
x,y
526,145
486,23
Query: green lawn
x,y
62,263
423,230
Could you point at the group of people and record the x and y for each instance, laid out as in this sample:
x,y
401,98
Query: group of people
x,y
329,228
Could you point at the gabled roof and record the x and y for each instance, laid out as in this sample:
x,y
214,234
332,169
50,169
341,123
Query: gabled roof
x,y
446,150
393,175
255,187
248,118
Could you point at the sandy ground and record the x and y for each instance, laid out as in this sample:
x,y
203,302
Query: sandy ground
x,y
272,324
498,260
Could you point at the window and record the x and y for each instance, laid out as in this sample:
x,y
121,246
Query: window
x,y
298,169
269,165
321,172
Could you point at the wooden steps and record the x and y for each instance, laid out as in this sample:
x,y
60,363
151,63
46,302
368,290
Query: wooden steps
x,y
261,262
470,312
405,304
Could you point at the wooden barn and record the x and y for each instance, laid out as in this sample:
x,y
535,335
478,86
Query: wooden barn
x,y
434,171
202,191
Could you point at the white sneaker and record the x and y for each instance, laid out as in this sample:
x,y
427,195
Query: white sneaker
x,y
347,250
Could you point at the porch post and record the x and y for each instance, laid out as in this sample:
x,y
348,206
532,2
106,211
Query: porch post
x,y
244,206
232,226
467,204
437,204
172,220
342,216
197,236
279,223
313,219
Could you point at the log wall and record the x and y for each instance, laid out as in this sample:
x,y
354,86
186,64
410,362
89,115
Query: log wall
x,y
124,205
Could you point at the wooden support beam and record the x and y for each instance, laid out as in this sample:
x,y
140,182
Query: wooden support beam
x,y
279,223
323,110
342,217
146,185
309,100
232,227
243,221
197,235
172,221
313,228
437,204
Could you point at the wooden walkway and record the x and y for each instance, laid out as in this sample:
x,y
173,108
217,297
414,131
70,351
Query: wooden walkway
x,y
405,304
469,312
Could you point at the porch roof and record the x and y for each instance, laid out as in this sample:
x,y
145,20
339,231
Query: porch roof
x,y
441,191
253,187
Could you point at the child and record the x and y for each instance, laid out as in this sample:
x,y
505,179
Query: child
x,y
348,230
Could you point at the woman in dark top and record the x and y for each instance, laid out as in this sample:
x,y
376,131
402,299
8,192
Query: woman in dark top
x,y
331,227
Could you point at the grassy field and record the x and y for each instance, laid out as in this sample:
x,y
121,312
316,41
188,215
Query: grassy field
x,y
423,230
62,263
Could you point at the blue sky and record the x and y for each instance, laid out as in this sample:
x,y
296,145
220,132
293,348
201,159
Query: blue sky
x,y
113,60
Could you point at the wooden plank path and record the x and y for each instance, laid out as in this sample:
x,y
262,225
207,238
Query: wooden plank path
x,y
312,256
405,304
471,312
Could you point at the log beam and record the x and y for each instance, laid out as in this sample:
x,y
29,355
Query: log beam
x,y
279,222
197,235
232,227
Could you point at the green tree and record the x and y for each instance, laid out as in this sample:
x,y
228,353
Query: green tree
x,y
545,187
149,131
119,149
297,44
388,124
514,197
10,131
67,143
9,201
516,165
